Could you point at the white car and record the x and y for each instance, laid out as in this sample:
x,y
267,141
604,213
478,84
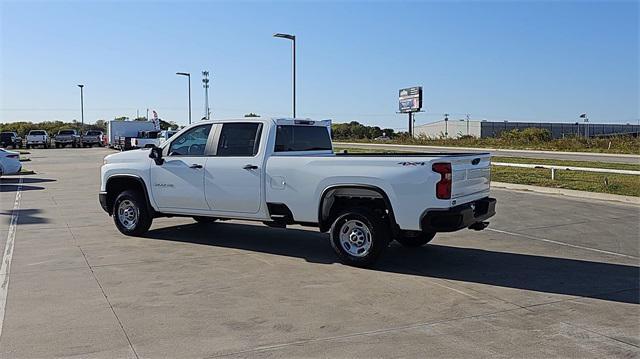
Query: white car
x,y
9,162
284,171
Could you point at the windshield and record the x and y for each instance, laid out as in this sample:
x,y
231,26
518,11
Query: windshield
x,y
67,132
94,133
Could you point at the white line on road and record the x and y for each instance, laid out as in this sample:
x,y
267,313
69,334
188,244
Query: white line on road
x,y
562,243
7,255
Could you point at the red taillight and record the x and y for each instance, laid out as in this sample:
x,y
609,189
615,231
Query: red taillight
x,y
443,187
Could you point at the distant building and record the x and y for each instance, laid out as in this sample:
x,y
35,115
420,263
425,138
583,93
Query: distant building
x,y
483,129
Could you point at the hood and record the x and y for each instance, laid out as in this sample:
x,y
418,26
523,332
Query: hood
x,y
128,156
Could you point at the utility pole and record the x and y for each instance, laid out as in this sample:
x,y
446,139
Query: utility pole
x,y
81,110
205,84
147,115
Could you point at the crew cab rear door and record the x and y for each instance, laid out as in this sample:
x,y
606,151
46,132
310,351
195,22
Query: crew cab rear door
x,y
233,173
178,183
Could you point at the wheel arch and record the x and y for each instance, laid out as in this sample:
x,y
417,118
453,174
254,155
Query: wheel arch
x,y
118,183
361,191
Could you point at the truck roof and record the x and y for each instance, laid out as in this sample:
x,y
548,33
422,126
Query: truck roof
x,y
275,120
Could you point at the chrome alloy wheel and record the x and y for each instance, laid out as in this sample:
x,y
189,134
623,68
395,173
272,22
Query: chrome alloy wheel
x,y
355,238
128,214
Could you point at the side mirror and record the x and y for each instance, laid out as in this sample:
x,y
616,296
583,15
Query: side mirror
x,y
156,155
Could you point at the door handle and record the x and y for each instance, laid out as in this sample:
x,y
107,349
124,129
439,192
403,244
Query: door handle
x,y
195,165
250,167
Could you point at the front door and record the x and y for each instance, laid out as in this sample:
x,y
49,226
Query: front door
x,y
232,176
179,182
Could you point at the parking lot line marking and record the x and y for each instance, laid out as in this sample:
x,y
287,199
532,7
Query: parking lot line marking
x,y
562,243
7,255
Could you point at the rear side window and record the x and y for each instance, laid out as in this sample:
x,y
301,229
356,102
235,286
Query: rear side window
x,y
191,143
302,138
239,139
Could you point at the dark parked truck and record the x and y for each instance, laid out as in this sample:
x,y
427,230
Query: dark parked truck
x,y
92,138
66,138
10,139
284,171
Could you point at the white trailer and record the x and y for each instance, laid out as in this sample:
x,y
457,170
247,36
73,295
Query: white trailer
x,y
117,129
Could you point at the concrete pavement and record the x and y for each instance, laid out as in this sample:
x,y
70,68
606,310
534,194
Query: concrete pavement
x,y
552,277
555,155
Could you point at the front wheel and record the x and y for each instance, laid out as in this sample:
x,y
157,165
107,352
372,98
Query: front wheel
x,y
131,214
417,240
359,236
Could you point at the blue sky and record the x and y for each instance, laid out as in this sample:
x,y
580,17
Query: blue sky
x,y
538,61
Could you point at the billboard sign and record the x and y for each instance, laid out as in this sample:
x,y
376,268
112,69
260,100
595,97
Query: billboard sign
x,y
410,99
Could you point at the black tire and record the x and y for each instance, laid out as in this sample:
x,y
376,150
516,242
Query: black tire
x,y
379,236
139,207
27,146
420,239
204,220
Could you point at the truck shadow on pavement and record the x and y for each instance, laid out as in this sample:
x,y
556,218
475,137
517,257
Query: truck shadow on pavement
x,y
16,180
11,184
606,281
25,216
14,188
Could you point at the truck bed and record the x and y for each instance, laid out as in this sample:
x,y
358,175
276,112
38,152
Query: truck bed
x,y
411,154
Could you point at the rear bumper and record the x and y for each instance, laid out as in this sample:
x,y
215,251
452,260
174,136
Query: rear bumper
x,y
102,197
458,217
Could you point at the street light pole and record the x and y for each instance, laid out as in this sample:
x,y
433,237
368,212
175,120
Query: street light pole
x,y
446,125
468,124
293,39
81,110
205,84
188,77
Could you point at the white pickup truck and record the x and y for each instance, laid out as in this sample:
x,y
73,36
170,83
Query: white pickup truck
x,y
284,171
37,138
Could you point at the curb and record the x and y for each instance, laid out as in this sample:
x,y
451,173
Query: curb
x,y
568,192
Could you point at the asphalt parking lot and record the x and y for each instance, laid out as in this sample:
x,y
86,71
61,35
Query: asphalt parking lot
x,y
551,277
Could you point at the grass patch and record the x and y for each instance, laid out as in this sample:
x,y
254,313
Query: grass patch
x,y
622,144
627,185
589,164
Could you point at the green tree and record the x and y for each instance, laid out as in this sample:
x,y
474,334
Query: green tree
x,y
251,114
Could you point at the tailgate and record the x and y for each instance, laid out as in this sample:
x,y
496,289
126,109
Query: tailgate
x,y
471,174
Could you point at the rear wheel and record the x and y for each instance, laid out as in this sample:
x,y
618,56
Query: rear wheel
x,y
131,214
204,220
416,239
359,236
